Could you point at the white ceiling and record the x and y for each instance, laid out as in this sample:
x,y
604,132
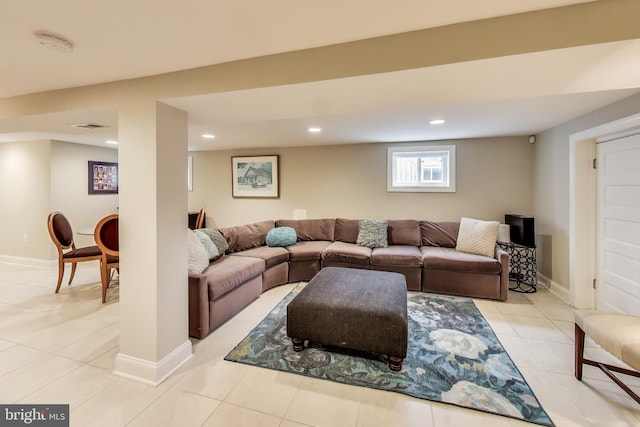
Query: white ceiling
x,y
515,95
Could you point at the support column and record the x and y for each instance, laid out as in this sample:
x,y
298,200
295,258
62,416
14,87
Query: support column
x,y
152,156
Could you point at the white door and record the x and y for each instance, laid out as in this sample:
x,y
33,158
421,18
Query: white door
x,y
618,253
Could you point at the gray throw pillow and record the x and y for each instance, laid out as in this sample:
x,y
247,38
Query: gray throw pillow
x,y
372,233
217,238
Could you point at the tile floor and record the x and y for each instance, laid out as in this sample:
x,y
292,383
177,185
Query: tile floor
x,y
61,349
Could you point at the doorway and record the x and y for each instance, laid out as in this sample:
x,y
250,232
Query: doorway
x,y
582,207
618,224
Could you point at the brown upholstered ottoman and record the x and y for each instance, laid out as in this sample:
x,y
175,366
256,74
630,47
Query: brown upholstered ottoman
x,y
357,309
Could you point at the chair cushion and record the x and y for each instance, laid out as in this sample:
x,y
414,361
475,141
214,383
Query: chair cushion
x,y
443,234
307,251
449,259
398,255
83,252
229,272
347,253
310,229
62,230
619,334
271,256
404,232
346,230
241,237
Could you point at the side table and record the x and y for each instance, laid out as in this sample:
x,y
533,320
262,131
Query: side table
x,y
523,269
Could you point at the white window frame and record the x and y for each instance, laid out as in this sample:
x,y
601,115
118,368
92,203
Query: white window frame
x,y
449,170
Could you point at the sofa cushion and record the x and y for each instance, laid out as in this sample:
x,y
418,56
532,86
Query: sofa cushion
x,y
247,236
398,255
347,253
307,251
372,233
271,255
442,234
449,259
281,237
217,238
346,230
229,272
403,232
197,260
310,229
477,236
209,246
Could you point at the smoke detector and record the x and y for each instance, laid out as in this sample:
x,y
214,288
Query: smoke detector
x,y
54,42
87,125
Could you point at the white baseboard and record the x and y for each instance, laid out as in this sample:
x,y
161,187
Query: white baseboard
x,y
559,291
153,373
29,262
554,287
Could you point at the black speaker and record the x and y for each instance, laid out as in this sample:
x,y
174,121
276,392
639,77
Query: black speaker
x,y
522,229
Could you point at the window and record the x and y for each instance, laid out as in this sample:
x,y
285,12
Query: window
x,y
421,168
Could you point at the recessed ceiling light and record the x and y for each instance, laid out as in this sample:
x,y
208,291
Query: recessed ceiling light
x,y
208,136
315,130
436,122
112,142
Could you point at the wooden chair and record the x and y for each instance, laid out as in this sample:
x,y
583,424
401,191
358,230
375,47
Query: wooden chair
x,y
618,334
62,235
106,236
200,219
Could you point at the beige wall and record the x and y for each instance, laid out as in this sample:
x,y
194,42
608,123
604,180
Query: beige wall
x,y
37,177
69,192
551,184
25,172
494,177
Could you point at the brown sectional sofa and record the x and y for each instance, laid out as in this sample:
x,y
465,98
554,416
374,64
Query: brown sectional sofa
x,y
424,251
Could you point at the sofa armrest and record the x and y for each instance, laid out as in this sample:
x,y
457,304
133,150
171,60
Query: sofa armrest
x,y
198,306
503,257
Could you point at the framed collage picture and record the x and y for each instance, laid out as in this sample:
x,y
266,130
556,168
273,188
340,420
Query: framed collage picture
x,y
103,178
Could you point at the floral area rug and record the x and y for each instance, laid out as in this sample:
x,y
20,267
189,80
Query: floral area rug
x,y
453,357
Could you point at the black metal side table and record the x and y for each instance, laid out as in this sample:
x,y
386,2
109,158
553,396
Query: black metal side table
x,y
523,269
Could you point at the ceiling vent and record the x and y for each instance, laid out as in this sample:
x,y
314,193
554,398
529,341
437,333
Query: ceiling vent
x,y
54,42
88,126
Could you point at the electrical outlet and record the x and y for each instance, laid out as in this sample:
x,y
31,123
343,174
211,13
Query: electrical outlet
x,y
26,237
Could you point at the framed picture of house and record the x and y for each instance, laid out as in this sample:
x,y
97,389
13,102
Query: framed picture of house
x,y
255,176
103,178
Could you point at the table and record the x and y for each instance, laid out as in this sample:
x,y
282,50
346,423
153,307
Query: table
x,y
523,268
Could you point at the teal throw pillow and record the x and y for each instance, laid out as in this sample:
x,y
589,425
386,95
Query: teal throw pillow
x,y
209,246
281,237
